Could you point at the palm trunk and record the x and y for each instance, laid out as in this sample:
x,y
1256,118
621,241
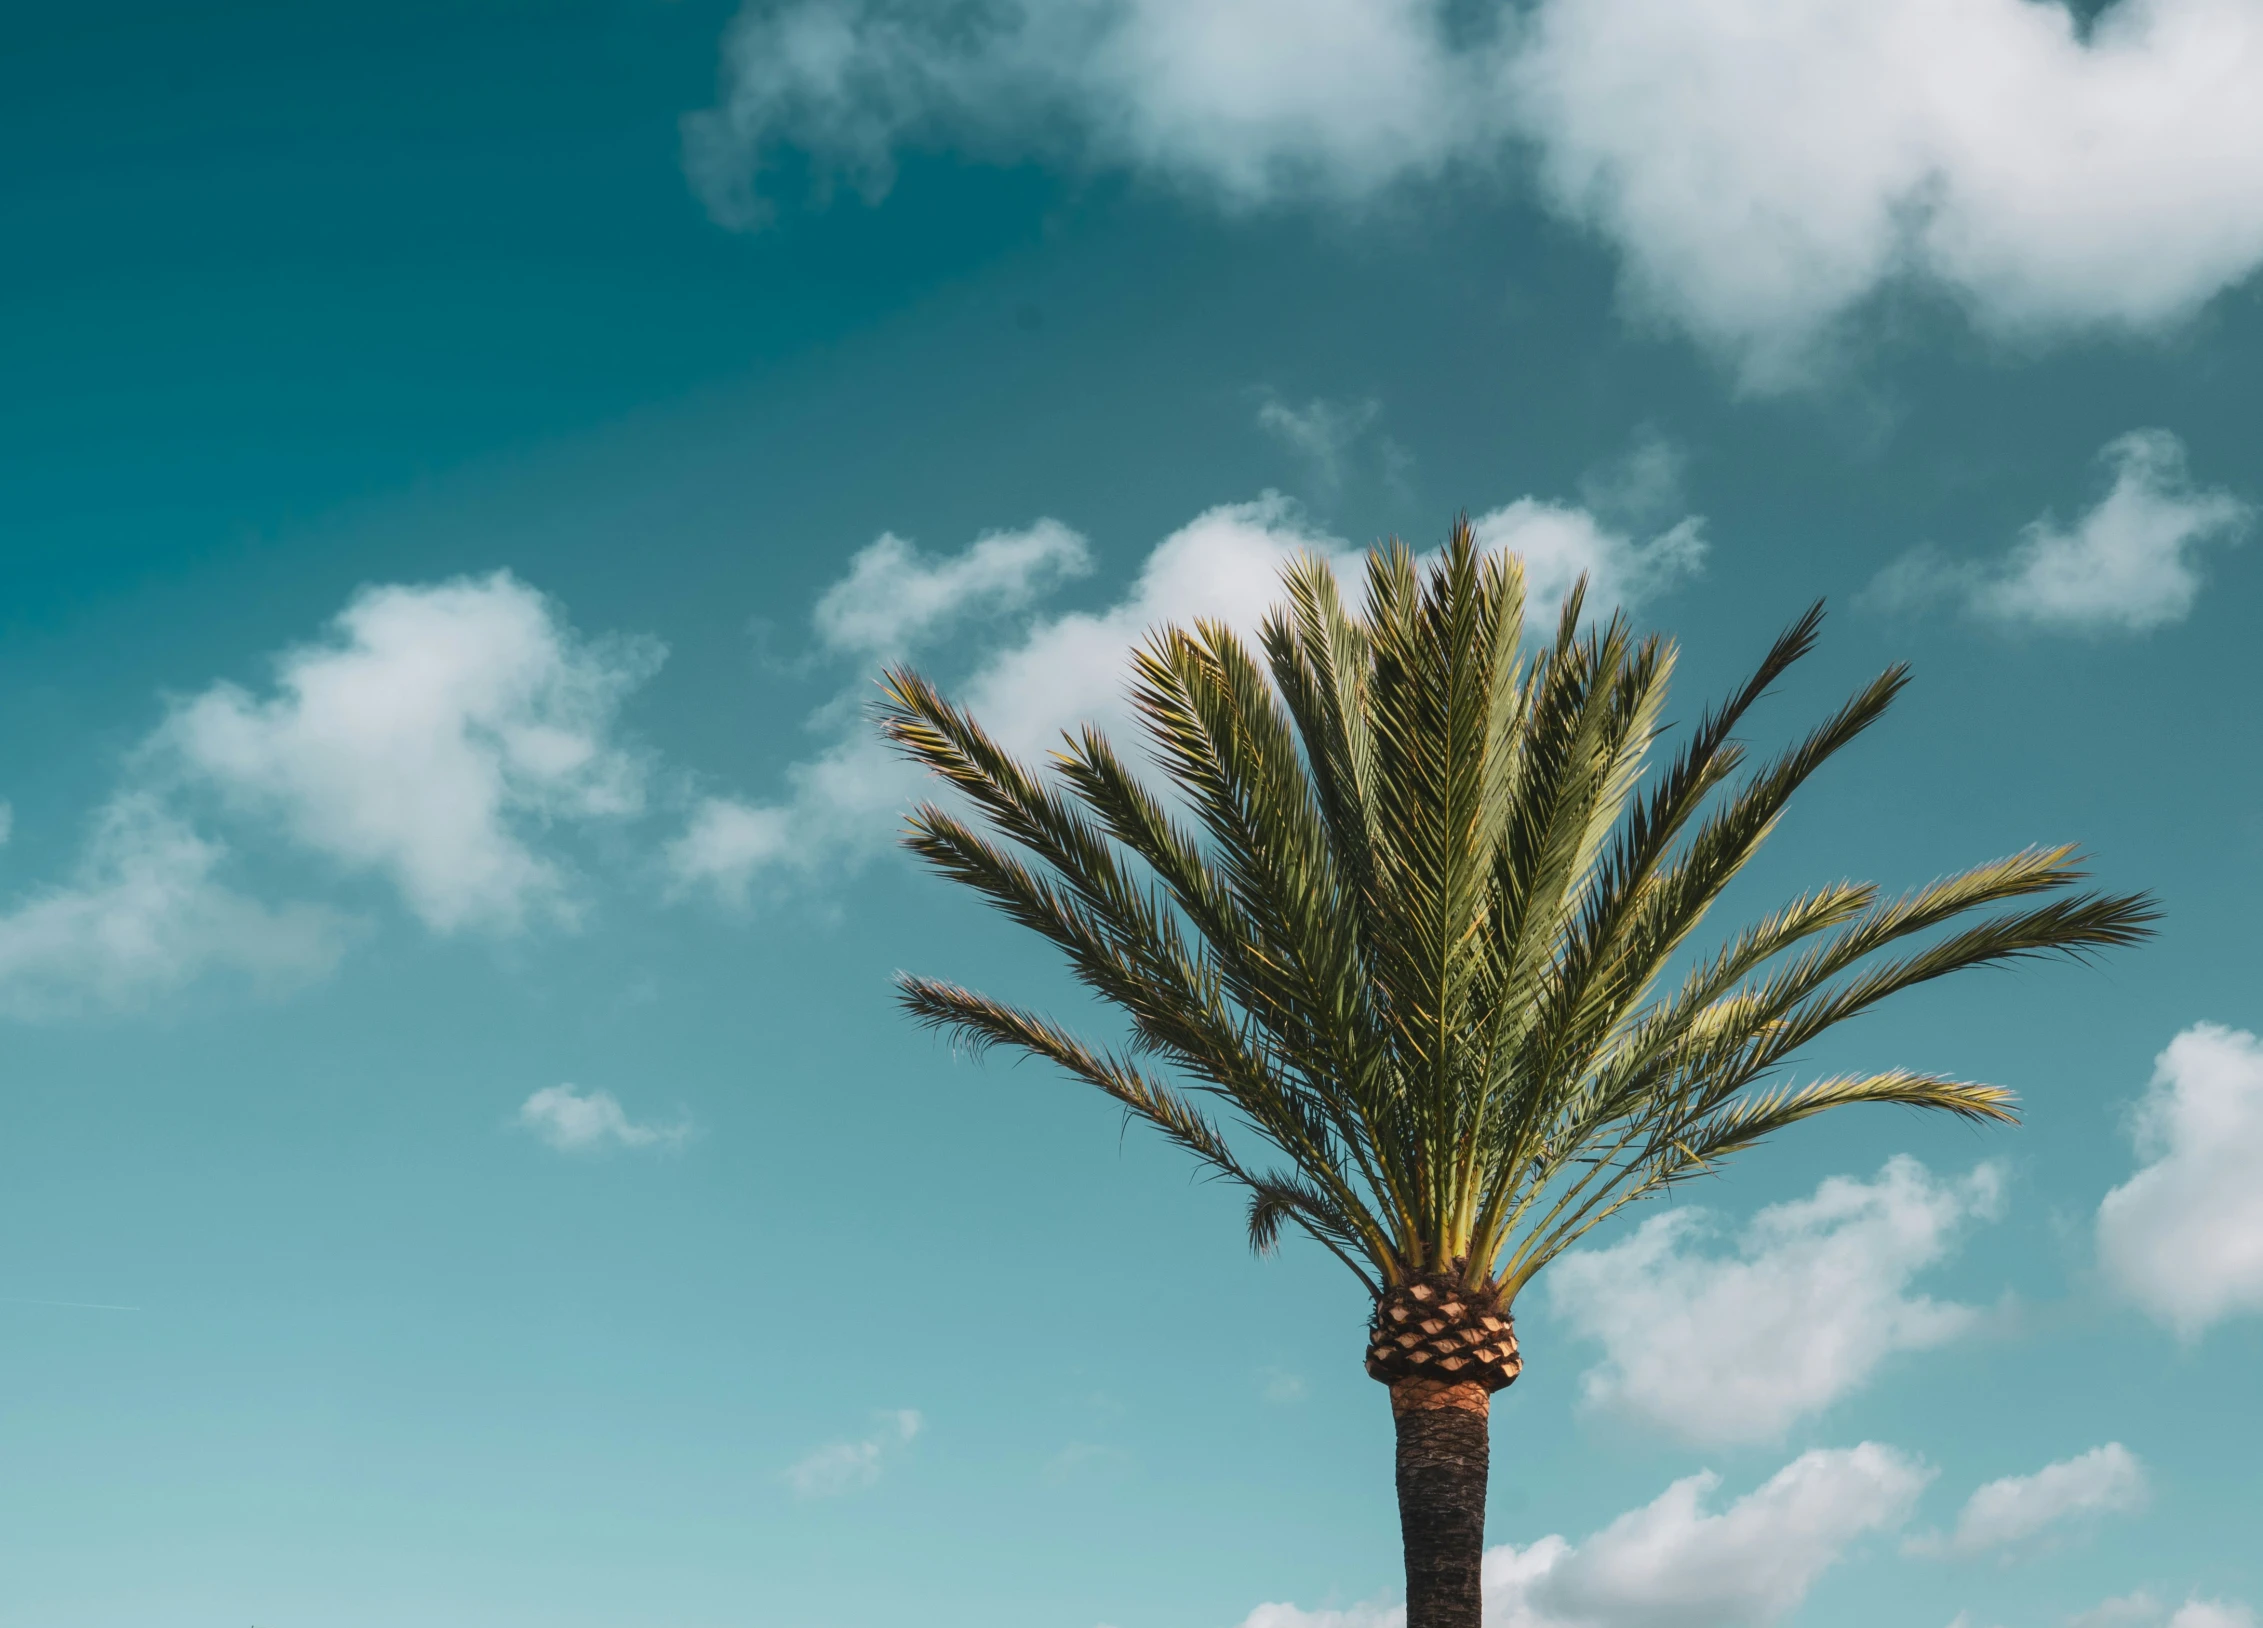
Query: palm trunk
x,y
1442,1462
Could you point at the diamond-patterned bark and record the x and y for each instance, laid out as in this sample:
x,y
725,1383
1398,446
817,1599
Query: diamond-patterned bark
x,y
1433,1328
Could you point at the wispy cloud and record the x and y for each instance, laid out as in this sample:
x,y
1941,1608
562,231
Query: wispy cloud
x,y
1640,487
2213,1614
850,1466
1373,94
2183,1237
894,597
2049,176
589,1121
1281,1387
2006,1513
1043,676
2129,564
146,914
1812,1297
1325,434
2120,1611
2140,1610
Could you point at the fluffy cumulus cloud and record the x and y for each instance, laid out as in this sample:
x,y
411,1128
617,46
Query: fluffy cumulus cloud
x,y
1051,672
433,736
1679,1563
1766,167
2129,564
146,914
850,1466
2183,1237
591,1121
1808,1300
1560,545
1763,169
429,739
2007,1513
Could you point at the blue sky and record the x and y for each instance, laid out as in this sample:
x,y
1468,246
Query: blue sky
x,y
463,466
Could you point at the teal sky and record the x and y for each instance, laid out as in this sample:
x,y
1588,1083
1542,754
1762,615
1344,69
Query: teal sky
x,y
460,469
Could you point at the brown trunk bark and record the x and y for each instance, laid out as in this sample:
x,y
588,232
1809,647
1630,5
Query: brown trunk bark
x,y
1442,1463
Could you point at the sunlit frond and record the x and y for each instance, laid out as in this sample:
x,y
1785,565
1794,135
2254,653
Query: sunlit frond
x,y
1407,903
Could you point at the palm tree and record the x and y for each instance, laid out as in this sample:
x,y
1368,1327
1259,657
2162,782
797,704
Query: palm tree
x,y
1407,914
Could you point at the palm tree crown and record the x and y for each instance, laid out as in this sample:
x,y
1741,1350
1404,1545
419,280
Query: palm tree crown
x,y
1411,912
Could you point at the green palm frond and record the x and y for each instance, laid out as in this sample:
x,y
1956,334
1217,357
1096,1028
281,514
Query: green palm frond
x,y
1407,910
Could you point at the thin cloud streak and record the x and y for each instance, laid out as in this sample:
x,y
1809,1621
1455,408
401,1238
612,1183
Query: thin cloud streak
x,y
69,1305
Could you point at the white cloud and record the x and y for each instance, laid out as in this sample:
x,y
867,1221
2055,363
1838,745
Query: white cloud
x,y
2006,1512
2213,1614
727,843
2183,1237
1560,545
850,1466
1198,91
2119,1611
2131,564
586,1121
1675,1563
146,915
840,807
894,596
431,737
2142,1607
2046,176
1280,1614
1055,672
1224,565
1813,1297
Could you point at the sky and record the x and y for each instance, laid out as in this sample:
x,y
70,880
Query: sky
x,y
461,469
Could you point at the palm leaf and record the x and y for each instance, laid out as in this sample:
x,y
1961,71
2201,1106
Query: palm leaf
x,y
1407,904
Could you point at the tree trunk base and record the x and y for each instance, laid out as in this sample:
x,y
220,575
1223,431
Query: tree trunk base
x,y
1441,1474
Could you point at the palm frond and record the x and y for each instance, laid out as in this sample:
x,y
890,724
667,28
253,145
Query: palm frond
x,y
1408,906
